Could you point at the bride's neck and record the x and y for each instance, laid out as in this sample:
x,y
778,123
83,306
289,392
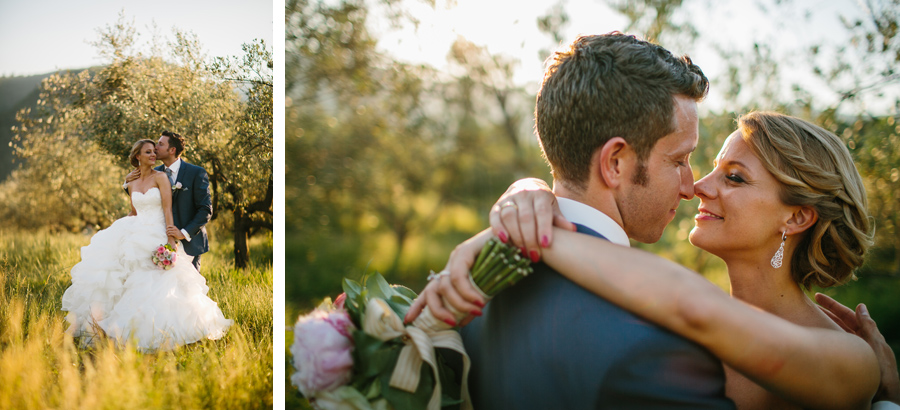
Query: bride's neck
x,y
146,170
772,290
762,285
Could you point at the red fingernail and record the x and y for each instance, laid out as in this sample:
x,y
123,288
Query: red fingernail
x,y
534,256
450,322
502,236
479,303
476,313
523,251
544,241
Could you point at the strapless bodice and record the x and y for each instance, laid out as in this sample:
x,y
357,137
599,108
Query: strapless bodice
x,y
148,204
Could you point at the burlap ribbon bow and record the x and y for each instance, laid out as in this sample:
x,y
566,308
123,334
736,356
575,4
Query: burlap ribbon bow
x,y
420,339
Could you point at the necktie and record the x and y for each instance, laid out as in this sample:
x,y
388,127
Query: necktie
x,y
171,175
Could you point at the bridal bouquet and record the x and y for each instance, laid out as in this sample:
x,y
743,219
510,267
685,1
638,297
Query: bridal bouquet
x,y
497,267
356,353
164,256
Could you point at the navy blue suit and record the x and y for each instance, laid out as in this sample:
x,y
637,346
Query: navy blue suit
x,y
547,343
192,208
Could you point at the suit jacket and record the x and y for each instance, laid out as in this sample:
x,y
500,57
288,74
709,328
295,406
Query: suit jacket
x,y
547,343
191,206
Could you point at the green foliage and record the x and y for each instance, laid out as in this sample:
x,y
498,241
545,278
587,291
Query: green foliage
x,y
41,367
16,93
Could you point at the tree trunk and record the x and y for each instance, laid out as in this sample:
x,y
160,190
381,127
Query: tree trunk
x,y
241,227
400,233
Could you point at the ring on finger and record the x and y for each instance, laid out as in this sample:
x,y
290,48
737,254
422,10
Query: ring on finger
x,y
432,275
509,203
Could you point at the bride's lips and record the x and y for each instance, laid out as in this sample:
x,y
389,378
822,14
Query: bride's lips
x,y
704,215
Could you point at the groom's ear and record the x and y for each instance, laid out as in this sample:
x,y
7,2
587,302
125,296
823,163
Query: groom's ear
x,y
802,219
613,161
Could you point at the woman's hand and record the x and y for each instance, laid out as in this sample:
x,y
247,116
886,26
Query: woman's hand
x,y
526,214
133,175
861,324
173,242
452,288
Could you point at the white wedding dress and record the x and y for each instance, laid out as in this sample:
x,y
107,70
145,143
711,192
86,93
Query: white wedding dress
x,y
116,287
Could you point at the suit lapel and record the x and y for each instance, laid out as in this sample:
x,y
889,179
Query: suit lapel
x,y
181,173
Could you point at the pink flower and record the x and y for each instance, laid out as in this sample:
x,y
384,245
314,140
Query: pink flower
x,y
322,351
339,302
160,249
166,262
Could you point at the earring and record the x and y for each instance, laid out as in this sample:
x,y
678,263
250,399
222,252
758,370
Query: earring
x,y
779,255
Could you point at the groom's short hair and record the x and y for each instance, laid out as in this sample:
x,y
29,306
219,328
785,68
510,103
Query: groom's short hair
x,y
175,141
605,86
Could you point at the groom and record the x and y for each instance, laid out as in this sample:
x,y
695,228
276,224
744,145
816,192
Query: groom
x,y
191,204
617,121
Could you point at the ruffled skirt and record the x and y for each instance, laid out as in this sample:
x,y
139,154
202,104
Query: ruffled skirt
x,y
117,290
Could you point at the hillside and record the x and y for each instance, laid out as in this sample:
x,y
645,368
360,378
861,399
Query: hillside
x,y
15,93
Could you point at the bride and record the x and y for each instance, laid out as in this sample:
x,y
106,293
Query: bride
x,y
785,208
117,290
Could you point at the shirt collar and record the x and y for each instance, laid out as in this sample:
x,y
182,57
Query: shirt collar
x,y
590,217
175,166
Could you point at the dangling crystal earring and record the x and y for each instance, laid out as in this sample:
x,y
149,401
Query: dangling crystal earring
x,y
779,255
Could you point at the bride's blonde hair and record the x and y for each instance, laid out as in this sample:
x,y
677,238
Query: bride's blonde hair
x,y
816,170
136,150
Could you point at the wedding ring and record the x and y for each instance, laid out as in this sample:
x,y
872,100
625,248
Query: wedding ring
x,y
509,203
433,275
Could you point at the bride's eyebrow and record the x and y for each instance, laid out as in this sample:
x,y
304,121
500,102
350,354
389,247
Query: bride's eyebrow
x,y
739,164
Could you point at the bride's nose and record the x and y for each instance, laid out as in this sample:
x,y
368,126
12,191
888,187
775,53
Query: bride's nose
x,y
703,187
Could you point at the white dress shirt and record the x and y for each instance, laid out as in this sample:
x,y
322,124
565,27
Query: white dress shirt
x,y
175,167
579,213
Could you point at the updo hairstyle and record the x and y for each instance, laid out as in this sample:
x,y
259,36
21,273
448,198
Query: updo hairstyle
x,y
136,150
815,169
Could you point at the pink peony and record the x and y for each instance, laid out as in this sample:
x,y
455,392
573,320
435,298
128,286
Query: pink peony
x,y
166,262
161,249
339,302
322,351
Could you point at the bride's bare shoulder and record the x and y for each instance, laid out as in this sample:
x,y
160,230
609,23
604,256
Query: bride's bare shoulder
x,y
161,178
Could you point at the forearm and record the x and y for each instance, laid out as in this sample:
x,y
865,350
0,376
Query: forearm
x,y
200,219
165,192
168,215
790,360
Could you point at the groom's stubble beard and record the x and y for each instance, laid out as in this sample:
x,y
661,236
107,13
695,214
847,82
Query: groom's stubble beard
x,y
640,174
644,215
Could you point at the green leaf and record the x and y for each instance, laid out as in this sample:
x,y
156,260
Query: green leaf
x,y
401,399
378,287
400,308
404,291
351,288
400,299
451,388
372,356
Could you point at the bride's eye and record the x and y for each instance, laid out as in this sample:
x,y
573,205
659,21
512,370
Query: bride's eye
x,y
735,178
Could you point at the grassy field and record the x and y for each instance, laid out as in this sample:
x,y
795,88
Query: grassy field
x,y
43,368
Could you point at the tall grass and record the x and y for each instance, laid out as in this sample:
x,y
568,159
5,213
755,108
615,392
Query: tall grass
x,y
43,368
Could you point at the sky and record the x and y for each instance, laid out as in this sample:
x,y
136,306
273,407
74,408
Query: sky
x,y
509,27
38,37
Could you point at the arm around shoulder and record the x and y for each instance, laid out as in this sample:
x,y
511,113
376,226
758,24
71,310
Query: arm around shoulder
x,y
814,367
